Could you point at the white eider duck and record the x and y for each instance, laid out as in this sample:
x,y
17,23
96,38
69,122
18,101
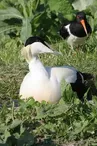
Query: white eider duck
x,y
44,83
77,30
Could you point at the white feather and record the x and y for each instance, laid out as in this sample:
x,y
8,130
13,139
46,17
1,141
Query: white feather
x,y
43,83
74,40
66,73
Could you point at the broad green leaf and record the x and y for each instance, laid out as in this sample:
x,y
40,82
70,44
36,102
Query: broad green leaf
x,y
16,135
34,5
3,127
7,28
62,108
80,126
6,135
26,139
62,6
81,4
10,12
22,3
15,123
26,30
22,129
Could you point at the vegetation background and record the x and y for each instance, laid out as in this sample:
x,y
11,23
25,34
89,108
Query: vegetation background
x,y
68,123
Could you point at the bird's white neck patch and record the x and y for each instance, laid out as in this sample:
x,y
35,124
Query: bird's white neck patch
x,y
68,29
36,67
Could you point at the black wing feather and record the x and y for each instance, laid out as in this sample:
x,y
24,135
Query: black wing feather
x,y
63,31
81,87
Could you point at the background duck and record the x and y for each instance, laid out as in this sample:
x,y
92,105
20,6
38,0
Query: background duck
x,y
76,31
44,83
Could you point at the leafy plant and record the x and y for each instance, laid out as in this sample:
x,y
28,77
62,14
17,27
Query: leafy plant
x,y
20,17
81,4
26,18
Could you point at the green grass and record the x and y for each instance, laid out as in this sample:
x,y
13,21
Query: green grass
x,y
32,123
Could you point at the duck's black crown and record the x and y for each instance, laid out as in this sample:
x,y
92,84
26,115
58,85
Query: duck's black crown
x,y
34,39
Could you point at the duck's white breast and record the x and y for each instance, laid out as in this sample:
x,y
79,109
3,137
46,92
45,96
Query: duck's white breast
x,y
41,87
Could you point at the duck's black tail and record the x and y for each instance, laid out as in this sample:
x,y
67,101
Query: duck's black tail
x,y
87,76
81,85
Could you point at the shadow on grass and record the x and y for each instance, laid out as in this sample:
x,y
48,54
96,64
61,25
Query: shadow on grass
x,y
45,142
